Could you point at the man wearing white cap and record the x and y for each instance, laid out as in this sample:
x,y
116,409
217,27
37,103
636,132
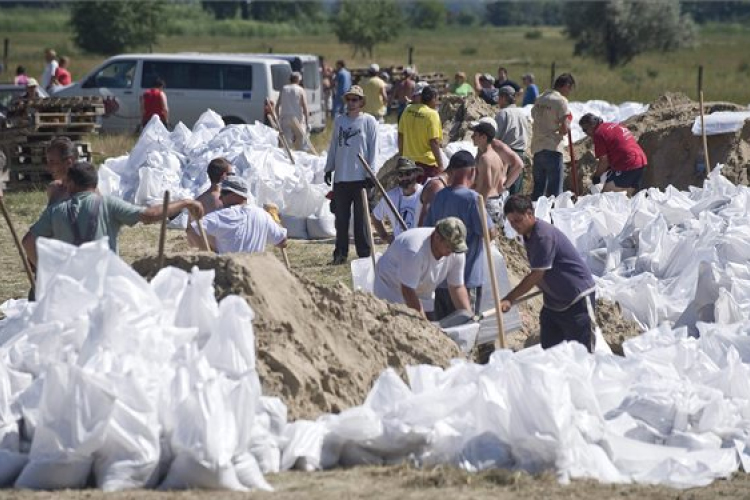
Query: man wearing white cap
x,y
376,97
238,227
404,90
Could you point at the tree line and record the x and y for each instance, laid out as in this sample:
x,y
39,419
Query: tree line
x,y
614,31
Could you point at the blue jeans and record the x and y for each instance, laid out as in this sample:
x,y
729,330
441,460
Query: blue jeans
x,y
548,174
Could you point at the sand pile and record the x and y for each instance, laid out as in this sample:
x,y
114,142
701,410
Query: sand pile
x,y
615,328
664,133
319,348
457,112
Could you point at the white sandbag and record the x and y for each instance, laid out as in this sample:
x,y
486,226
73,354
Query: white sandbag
x,y
321,227
512,319
11,465
721,122
198,307
296,227
231,347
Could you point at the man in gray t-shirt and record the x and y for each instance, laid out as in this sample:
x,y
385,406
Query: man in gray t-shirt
x,y
559,271
88,216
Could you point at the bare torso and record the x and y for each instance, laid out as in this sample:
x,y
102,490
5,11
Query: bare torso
x,y
210,200
433,186
491,173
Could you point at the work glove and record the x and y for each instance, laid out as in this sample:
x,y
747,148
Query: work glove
x,y
327,178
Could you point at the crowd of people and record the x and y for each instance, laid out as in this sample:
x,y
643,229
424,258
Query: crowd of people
x,y
434,262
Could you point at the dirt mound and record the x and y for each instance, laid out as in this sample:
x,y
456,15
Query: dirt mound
x,y
615,328
665,134
457,112
319,348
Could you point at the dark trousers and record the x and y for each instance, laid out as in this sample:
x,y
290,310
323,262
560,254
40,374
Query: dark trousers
x,y
573,324
344,195
548,174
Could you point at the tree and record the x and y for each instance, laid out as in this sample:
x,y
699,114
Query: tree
x,y
618,30
222,9
111,27
513,13
290,10
427,14
364,24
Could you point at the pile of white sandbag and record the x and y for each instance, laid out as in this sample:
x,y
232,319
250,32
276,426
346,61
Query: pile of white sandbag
x,y
154,385
177,161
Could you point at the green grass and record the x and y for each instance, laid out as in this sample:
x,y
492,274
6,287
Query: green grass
x,y
722,50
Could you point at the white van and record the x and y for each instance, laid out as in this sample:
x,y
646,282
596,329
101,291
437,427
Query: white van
x,y
233,85
309,66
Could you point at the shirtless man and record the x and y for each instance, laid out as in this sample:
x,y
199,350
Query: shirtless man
x,y
431,188
218,170
491,171
62,153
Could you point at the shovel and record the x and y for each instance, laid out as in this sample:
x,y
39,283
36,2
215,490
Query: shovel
x,y
463,317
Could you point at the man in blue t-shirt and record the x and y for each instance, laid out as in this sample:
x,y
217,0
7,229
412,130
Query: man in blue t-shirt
x,y
343,81
559,271
459,200
531,92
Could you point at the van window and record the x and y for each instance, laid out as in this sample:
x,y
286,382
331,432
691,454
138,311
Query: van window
x,y
198,76
117,75
311,78
280,75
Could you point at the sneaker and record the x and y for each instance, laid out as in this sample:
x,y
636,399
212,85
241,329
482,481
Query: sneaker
x,y
338,260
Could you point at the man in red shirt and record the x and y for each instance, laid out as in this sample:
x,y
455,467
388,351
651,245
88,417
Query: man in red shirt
x,y
618,153
62,75
154,102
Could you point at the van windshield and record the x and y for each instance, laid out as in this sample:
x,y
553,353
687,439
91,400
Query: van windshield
x,y
198,76
311,75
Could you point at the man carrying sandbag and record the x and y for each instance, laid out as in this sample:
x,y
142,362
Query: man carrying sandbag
x,y
88,216
559,271
238,227
419,260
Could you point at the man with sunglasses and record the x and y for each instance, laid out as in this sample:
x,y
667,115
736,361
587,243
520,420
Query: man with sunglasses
x,y
406,199
354,133
238,227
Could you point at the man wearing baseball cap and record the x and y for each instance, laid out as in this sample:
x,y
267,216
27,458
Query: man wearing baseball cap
x,y
354,133
238,227
406,198
420,133
376,96
460,201
404,90
419,260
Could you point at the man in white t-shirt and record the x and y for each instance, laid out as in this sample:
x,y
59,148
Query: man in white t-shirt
x,y
291,109
406,199
419,260
50,67
238,227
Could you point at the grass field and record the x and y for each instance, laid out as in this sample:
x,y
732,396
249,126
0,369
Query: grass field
x,y
722,50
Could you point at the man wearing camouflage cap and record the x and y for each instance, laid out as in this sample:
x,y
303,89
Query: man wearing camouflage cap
x,y
406,198
419,260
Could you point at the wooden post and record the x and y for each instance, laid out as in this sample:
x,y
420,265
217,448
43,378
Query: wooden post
x,y
411,55
380,187
703,119
368,226
17,241
163,232
573,166
493,276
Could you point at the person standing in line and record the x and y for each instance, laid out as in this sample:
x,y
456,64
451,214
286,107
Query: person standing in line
x,y
291,108
404,90
551,123
154,102
491,171
504,81
559,271
460,86
62,75
50,67
237,226
513,130
343,81
376,95
460,201
618,155
21,79
485,88
354,133
218,170
406,198
531,92
420,134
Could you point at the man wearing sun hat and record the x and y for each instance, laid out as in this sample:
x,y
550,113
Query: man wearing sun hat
x,y
419,260
238,227
406,198
376,97
354,133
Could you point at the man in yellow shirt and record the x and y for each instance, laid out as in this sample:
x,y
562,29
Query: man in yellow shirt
x,y
376,96
420,134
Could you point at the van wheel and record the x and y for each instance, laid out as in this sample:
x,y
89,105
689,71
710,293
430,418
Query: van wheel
x,y
232,120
